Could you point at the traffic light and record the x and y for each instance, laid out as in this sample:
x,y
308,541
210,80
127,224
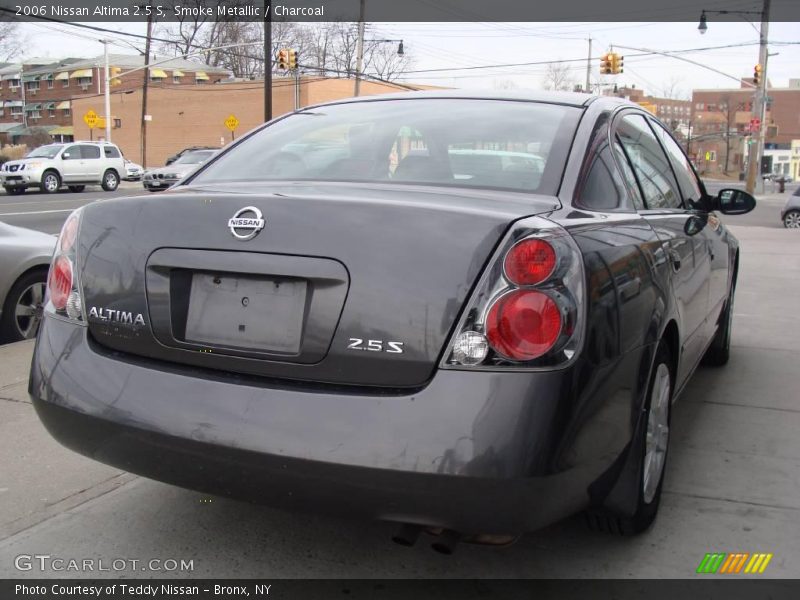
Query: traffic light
x,y
616,64
292,58
113,76
606,63
757,74
283,58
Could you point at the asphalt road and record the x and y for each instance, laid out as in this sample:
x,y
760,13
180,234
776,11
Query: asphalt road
x,y
47,212
732,482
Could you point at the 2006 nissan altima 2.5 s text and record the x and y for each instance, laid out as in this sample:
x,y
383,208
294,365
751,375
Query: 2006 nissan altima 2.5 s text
x,y
463,313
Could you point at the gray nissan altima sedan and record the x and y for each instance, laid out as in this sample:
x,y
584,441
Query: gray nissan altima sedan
x,y
458,312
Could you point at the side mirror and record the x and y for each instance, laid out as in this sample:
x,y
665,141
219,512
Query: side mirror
x,y
734,202
65,155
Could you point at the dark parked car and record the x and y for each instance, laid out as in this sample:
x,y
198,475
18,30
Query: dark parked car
x,y
177,155
156,180
399,332
790,215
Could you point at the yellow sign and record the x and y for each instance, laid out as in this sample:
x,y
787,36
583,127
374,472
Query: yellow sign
x,y
100,123
649,107
231,122
90,118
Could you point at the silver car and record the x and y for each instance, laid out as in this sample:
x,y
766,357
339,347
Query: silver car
x,y
159,179
75,165
790,215
24,260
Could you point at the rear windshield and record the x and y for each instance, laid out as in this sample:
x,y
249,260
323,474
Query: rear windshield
x,y
194,157
520,146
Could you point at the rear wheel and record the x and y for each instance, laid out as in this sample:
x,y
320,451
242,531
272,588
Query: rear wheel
x,y
77,188
791,220
22,310
655,444
50,182
110,180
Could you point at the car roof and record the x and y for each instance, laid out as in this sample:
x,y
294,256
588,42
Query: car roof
x,y
576,99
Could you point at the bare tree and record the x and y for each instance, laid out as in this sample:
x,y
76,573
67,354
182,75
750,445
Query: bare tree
x,y
504,84
382,59
728,110
557,77
187,32
672,89
10,44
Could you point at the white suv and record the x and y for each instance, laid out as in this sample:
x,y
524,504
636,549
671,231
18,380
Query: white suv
x,y
75,165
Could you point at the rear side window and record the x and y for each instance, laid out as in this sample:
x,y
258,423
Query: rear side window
x,y
519,146
650,165
111,152
90,152
603,189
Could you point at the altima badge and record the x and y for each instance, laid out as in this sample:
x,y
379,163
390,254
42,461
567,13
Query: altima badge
x,y
246,223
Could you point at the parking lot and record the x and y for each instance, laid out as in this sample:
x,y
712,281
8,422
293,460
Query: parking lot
x,y
732,485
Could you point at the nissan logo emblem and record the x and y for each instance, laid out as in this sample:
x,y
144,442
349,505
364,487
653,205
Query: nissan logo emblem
x,y
246,223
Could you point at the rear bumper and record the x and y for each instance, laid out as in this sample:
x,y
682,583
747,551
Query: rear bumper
x,y
475,452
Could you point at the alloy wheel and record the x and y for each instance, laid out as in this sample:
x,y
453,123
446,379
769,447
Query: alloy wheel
x,y
657,433
51,182
28,310
792,220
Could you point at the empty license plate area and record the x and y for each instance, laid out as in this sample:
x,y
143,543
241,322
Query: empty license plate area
x,y
264,314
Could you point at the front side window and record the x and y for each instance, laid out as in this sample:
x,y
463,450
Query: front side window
x,y
72,153
650,164
519,146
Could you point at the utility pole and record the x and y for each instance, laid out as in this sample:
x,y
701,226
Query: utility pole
x,y
144,87
267,61
589,68
107,92
754,181
360,49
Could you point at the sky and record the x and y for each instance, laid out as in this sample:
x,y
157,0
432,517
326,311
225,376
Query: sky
x,y
452,46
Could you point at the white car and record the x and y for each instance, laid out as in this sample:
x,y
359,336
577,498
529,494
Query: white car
x,y
133,172
75,165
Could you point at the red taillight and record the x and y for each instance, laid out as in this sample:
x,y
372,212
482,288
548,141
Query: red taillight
x,y
523,324
59,282
68,234
530,262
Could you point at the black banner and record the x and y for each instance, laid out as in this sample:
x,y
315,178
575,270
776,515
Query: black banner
x,y
712,588
390,10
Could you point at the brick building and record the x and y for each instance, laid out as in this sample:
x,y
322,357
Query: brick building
x,y
721,125
194,115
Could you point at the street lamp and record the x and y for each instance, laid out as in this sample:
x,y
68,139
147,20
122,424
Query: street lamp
x,y
759,106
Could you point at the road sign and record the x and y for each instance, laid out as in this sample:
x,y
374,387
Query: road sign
x,y
755,124
231,123
90,118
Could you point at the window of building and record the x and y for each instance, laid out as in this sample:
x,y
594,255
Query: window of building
x,y
51,112
32,86
66,83
16,111
35,114
176,79
50,84
67,112
699,106
2,112
13,84
84,81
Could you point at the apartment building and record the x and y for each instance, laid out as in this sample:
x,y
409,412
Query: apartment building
x,y
39,94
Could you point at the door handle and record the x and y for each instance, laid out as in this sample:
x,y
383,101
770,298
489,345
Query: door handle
x,y
675,259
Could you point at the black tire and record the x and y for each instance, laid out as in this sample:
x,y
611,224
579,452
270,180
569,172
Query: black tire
x,y
791,220
77,188
719,352
110,180
9,326
51,182
647,502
